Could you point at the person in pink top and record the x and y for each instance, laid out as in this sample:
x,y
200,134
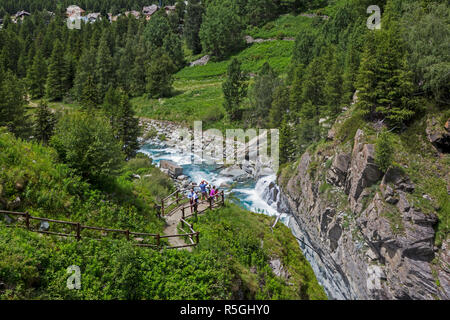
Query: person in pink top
x,y
212,193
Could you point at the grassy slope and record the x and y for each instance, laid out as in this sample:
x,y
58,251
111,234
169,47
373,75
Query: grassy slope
x,y
198,90
33,266
226,232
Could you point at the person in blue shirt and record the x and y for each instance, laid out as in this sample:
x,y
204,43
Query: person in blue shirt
x,y
202,186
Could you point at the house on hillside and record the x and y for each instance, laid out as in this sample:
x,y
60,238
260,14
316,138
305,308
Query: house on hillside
x,y
149,11
135,13
74,11
112,18
169,9
20,16
92,17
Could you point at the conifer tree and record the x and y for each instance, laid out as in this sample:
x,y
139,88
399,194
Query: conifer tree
x,y
37,76
234,89
261,95
159,75
86,68
384,81
192,24
286,141
12,105
90,96
333,89
172,46
126,61
157,29
314,81
280,106
295,94
221,32
128,129
44,123
104,68
118,108
56,88
139,72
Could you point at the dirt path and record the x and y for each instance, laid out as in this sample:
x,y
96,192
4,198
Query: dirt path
x,y
172,222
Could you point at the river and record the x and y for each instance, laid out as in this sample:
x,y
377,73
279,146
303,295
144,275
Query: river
x,y
252,195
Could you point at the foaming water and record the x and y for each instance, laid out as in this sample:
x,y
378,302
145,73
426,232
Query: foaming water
x,y
255,196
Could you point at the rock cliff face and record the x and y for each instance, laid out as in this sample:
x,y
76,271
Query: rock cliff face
x,y
360,230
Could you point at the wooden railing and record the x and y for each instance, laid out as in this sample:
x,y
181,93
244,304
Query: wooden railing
x,y
79,231
76,231
175,198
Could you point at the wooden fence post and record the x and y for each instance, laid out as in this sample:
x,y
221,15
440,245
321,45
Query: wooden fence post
x,y
127,234
27,220
162,207
178,200
78,231
158,240
223,198
196,237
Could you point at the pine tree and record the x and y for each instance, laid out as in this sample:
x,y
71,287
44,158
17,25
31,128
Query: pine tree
x,y
128,129
12,105
314,81
104,68
159,75
90,97
333,89
56,76
44,123
124,77
260,11
295,94
384,151
157,29
280,106
86,68
192,24
286,141
384,81
37,76
118,108
139,72
221,32
234,89
261,95
172,46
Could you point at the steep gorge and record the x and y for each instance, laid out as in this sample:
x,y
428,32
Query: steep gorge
x,y
360,228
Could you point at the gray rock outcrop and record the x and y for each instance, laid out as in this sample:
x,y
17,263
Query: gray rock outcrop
x,y
364,237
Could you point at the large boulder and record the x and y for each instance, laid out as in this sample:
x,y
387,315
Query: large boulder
x,y
438,135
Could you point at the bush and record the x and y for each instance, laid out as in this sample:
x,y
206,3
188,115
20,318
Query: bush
x,y
87,144
384,151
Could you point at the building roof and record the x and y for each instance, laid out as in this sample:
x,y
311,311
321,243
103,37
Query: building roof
x,y
94,15
22,13
133,12
74,10
149,10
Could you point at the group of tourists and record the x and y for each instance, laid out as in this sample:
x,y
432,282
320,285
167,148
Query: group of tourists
x,y
207,192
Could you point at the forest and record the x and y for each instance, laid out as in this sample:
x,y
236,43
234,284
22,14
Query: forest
x,y
108,74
